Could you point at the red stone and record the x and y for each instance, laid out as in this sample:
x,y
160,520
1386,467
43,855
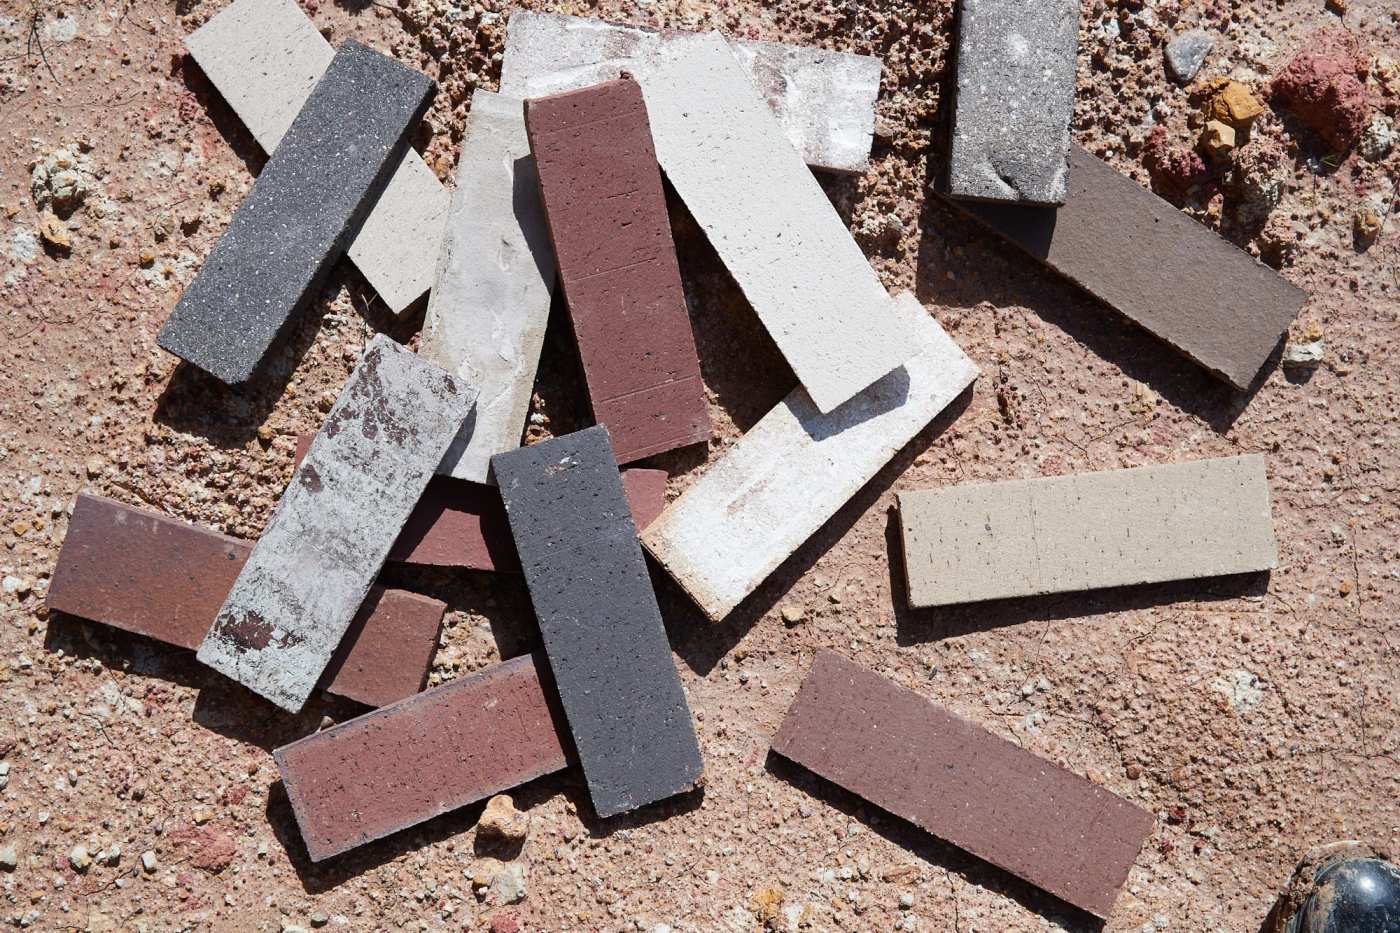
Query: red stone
x,y
958,781
402,765
462,524
607,218
157,576
1324,86
504,923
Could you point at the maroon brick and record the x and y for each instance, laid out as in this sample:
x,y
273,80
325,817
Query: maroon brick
x,y
432,753
156,576
963,784
462,524
1155,265
607,219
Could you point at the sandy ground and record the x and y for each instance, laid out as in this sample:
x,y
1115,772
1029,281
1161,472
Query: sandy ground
x,y
1255,717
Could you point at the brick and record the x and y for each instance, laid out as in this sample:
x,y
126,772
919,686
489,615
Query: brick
x,y
146,573
612,237
488,310
346,503
1014,100
425,756
461,524
954,779
264,57
793,470
330,166
1153,264
824,101
599,620
1058,534
770,222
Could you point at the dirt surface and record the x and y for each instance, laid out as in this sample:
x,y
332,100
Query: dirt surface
x,y
1255,717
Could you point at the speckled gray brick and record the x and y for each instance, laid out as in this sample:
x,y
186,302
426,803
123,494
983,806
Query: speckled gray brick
x,y
1014,100
598,616
343,509
320,182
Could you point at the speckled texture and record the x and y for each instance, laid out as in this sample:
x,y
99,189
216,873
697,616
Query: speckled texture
x,y
1200,293
1014,100
794,469
147,573
770,222
599,620
953,778
612,236
1087,531
324,175
264,57
346,502
824,100
432,753
495,278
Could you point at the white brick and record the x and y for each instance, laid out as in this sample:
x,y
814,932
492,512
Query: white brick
x,y
824,100
264,57
489,307
770,222
1058,534
789,474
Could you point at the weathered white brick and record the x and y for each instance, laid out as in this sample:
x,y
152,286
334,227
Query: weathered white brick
x,y
789,474
489,307
824,100
770,222
264,57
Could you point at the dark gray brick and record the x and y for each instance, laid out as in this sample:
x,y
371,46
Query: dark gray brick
x,y
306,205
598,615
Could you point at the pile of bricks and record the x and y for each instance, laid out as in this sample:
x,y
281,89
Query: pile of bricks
x,y
419,460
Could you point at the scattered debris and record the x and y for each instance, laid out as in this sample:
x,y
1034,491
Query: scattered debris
x,y
1187,52
1324,86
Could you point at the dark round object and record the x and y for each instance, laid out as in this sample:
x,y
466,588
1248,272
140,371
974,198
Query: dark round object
x,y
1356,895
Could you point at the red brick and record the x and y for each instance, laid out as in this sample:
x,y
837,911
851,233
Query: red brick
x,y
432,753
963,784
462,524
607,219
156,576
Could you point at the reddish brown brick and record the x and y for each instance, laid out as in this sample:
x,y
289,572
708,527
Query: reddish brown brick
x,y
607,218
462,524
963,784
432,753
156,576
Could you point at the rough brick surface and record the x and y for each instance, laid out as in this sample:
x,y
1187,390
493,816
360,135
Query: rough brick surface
x,y
461,524
400,766
598,617
150,574
770,222
1157,266
958,781
1056,534
330,166
487,313
607,220
264,57
825,101
794,469
346,503
1014,100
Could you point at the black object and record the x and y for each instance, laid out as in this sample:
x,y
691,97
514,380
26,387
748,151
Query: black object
x,y
1351,895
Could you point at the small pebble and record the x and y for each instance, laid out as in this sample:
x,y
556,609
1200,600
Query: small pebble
x,y
9,858
79,858
148,862
1187,53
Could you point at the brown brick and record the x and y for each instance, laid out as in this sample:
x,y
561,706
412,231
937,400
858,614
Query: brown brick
x,y
156,576
963,784
432,753
607,219
462,524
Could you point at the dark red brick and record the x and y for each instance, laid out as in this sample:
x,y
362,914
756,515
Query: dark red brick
x,y
156,576
432,753
607,218
963,784
462,524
